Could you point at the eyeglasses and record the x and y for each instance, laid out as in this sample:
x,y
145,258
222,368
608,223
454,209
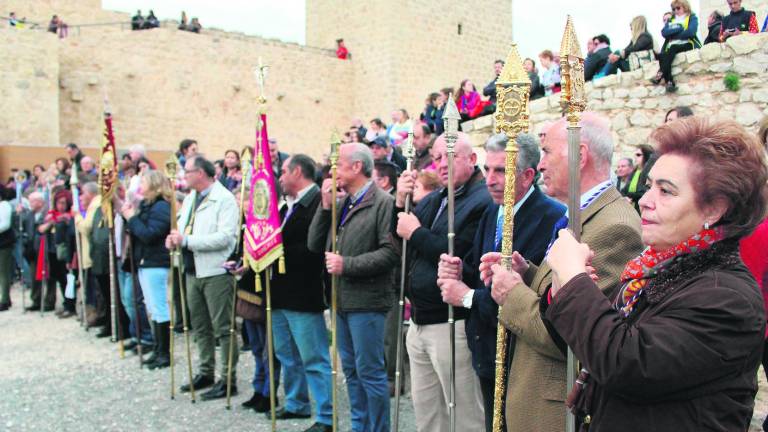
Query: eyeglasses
x,y
638,154
677,8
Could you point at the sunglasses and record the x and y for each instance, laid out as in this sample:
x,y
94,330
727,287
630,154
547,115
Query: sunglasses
x,y
638,154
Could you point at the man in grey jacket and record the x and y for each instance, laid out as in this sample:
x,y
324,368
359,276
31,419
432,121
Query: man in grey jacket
x,y
363,264
207,234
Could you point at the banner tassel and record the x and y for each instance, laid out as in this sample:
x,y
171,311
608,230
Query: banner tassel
x,y
281,264
258,281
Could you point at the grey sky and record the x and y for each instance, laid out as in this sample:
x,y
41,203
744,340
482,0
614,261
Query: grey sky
x,y
537,24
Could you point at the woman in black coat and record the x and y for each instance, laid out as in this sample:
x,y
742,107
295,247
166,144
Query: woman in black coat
x,y
149,225
679,347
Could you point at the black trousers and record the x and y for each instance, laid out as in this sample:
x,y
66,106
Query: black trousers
x,y
666,58
122,317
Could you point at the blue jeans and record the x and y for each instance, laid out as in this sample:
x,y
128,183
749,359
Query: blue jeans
x,y
22,264
360,336
257,336
154,283
301,345
125,282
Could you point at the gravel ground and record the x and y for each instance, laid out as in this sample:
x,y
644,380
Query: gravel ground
x,y
54,376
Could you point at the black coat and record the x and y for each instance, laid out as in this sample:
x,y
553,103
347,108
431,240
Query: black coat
x,y
644,43
595,62
301,287
149,227
532,232
430,240
399,160
99,238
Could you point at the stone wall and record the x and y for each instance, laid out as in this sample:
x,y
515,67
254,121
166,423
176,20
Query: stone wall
x,y
404,49
164,85
635,106
29,88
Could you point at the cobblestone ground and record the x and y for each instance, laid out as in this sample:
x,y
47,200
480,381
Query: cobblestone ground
x,y
54,376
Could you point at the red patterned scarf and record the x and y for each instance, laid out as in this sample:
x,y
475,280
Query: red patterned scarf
x,y
641,270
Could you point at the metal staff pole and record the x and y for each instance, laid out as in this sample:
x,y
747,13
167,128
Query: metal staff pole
x,y
114,291
73,182
451,119
245,160
334,159
171,168
19,180
512,91
409,153
573,101
270,350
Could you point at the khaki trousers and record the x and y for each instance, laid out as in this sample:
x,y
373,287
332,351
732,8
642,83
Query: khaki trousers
x,y
429,352
210,310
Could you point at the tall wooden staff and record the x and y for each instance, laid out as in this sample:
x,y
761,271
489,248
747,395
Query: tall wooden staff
x,y
451,120
107,183
573,102
409,153
334,159
177,271
73,182
513,88
245,161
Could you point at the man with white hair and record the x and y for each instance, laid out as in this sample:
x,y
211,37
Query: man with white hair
x,y
537,375
426,230
363,259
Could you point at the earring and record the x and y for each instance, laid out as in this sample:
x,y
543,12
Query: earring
x,y
706,225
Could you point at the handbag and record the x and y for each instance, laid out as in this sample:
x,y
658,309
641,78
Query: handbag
x,y
638,58
249,306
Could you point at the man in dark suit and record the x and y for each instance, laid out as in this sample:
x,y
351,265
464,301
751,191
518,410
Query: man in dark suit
x,y
298,326
535,215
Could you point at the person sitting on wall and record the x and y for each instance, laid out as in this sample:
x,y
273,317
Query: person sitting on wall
x,y
151,21
680,34
714,24
183,23
599,57
641,41
738,21
341,51
137,21
195,26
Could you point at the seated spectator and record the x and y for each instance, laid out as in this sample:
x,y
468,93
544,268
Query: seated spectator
x,y
550,74
641,41
53,26
536,90
376,128
12,20
595,62
430,109
382,150
738,21
623,173
680,35
341,50
468,100
88,171
490,89
445,93
398,130
426,183
354,135
231,175
183,23
195,26
137,21
218,166
358,124
151,21
714,24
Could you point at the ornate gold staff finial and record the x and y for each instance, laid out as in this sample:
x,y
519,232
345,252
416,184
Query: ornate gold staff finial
x,y
513,88
572,97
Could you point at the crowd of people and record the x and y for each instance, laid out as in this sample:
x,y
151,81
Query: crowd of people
x,y
671,310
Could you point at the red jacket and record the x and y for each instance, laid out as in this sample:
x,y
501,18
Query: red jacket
x,y
754,253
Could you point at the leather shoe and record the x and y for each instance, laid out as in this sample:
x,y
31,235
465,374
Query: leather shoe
x,y
283,414
105,332
67,314
33,308
263,405
131,345
320,427
199,381
253,401
4,307
218,391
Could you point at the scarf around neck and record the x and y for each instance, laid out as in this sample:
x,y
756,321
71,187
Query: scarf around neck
x,y
640,271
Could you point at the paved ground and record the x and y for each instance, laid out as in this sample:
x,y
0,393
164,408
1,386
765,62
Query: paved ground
x,y
54,376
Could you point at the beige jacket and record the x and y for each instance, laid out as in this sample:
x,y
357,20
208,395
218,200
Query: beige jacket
x,y
536,385
84,226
